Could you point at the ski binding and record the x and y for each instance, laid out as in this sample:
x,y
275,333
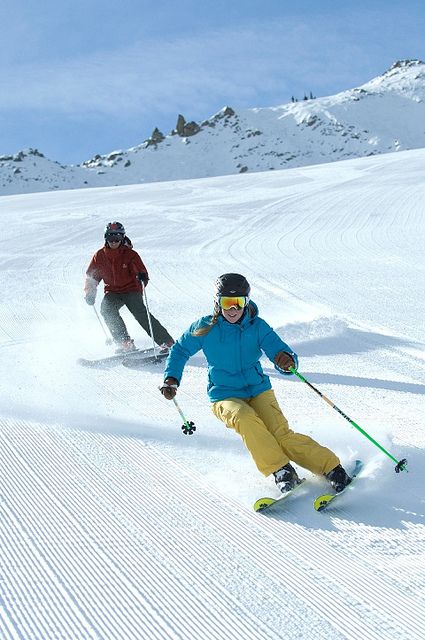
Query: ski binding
x,y
322,502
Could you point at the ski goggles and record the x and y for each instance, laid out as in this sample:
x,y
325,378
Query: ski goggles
x,y
227,302
114,237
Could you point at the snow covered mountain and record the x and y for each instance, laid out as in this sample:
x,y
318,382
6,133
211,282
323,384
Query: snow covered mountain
x,y
384,115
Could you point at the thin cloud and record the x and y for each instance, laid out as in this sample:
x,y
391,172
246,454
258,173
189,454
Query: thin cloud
x,y
235,65
258,65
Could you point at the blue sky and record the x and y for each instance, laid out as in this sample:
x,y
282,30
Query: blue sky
x,y
80,77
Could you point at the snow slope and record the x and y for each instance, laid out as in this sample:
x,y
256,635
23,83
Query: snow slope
x,y
113,524
382,116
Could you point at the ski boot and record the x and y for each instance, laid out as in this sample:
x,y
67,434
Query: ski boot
x,y
126,346
286,478
166,346
338,478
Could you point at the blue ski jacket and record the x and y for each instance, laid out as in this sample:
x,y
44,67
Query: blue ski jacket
x,y
233,353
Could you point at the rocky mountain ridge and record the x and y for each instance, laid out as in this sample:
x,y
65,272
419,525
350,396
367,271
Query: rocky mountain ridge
x,y
384,115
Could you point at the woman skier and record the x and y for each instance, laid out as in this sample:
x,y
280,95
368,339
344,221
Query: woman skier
x,y
233,339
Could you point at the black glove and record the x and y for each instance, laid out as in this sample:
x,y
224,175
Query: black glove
x,y
284,361
169,388
143,278
90,298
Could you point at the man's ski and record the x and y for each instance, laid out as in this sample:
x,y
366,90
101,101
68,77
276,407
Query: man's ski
x,y
264,503
141,355
322,502
136,362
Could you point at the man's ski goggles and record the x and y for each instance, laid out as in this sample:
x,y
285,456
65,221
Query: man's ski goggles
x,y
227,302
114,238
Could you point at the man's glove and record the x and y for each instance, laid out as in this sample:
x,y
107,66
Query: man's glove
x,y
90,298
143,278
284,361
169,388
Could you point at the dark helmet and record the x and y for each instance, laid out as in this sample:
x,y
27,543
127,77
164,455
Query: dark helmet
x,y
114,229
232,284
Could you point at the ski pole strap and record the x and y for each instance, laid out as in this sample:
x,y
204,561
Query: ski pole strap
x,y
400,464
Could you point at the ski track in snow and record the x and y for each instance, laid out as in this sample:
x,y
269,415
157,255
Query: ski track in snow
x,y
113,524
106,530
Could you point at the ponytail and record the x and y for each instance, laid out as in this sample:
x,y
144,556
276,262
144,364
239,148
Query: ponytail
x,y
202,331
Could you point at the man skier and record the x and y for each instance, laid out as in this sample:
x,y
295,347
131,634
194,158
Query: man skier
x,y
124,275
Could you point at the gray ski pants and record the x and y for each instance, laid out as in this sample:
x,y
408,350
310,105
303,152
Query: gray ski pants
x,y
110,307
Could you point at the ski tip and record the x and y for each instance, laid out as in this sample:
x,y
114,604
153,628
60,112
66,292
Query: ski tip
x,y
322,502
263,503
358,467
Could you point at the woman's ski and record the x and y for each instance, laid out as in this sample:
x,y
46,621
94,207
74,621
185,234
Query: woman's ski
x,y
322,502
264,503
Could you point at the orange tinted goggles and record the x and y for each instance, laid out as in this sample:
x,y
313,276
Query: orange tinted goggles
x,y
227,302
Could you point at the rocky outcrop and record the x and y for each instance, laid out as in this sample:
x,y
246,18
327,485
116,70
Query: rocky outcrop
x,y
18,157
185,129
400,64
224,114
155,138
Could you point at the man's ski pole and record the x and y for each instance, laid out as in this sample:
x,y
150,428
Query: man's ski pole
x,y
108,339
400,464
188,427
149,320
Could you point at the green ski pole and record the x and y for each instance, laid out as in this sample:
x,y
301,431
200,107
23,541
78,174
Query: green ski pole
x,y
188,427
400,464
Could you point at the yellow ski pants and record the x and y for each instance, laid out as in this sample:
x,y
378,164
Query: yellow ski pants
x,y
266,434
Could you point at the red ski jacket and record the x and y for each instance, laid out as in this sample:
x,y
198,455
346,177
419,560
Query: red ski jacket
x,y
118,268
